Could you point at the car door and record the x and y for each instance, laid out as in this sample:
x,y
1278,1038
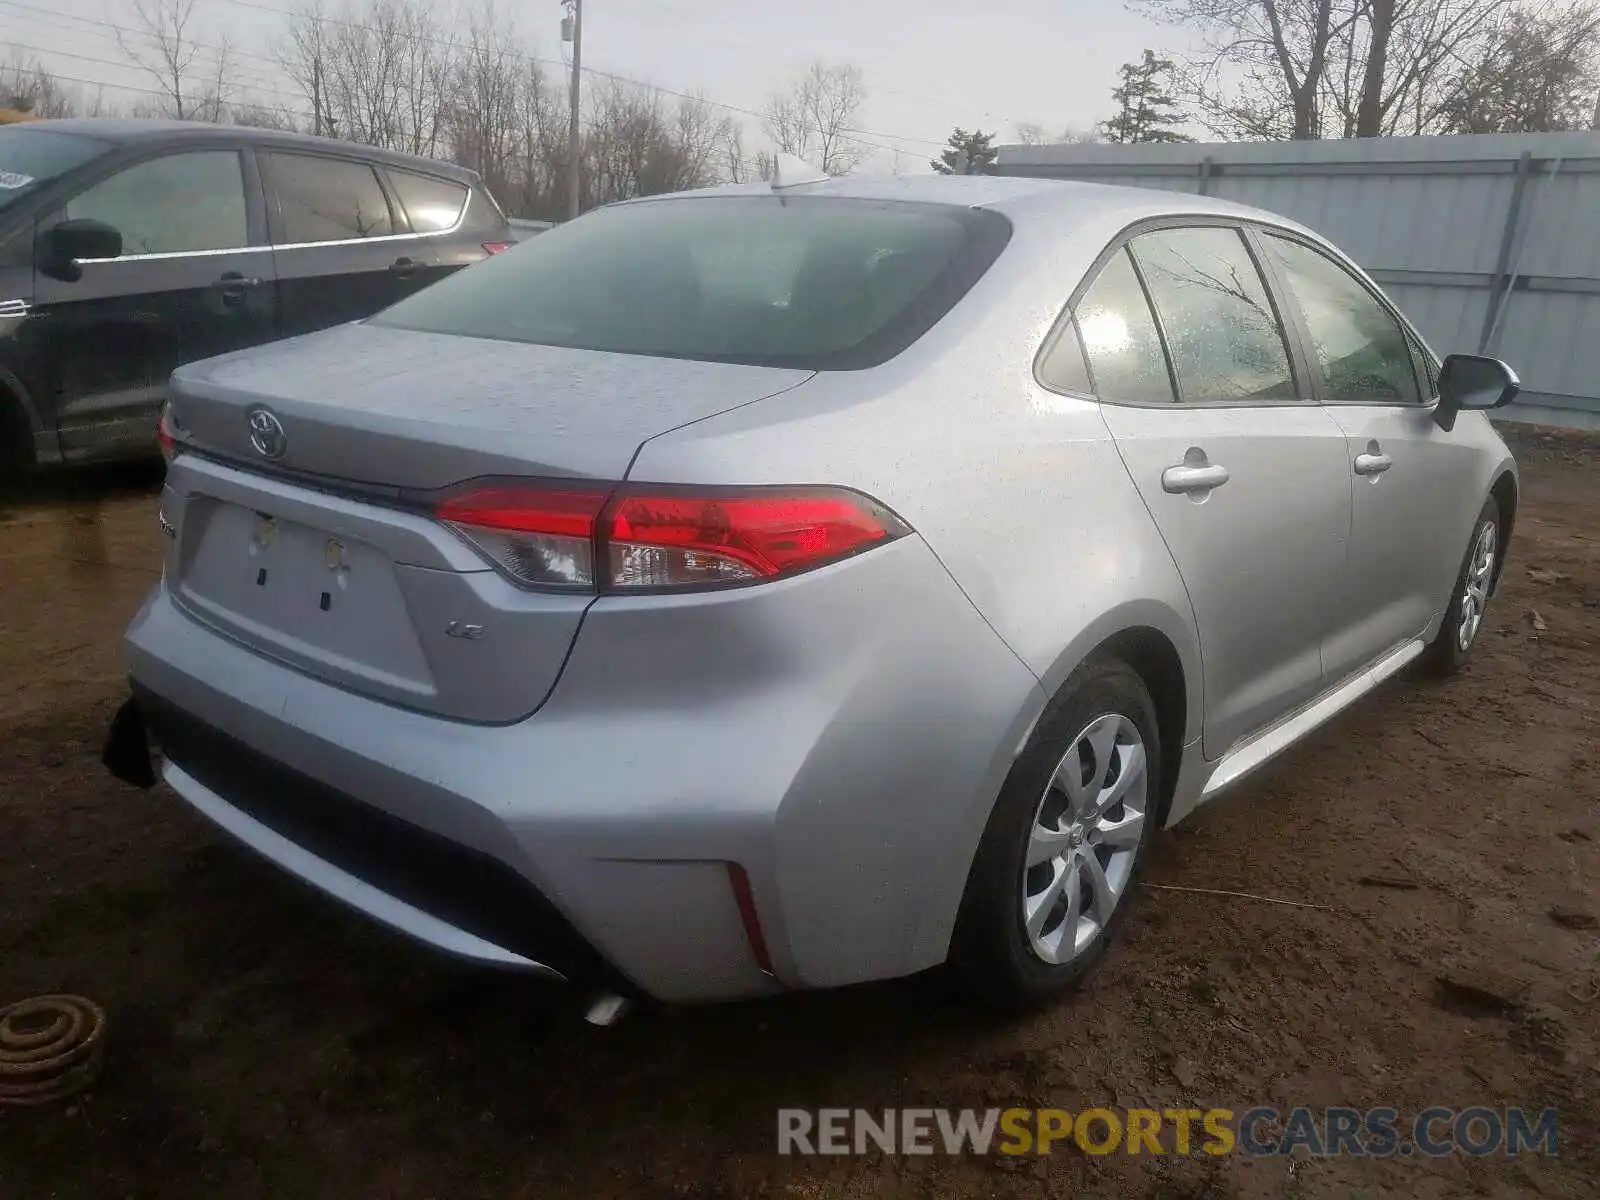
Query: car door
x,y
342,251
193,280
1244,477
1413,482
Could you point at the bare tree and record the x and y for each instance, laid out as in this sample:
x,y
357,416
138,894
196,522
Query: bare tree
x,y
1031,133
264,116
1326,68
381,73
485,98
26,83
194,77
1539,75
813,118
305,57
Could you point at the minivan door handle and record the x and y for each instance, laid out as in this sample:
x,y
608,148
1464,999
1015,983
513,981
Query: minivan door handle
x,y
1192,477
405,267
1373,462
233,285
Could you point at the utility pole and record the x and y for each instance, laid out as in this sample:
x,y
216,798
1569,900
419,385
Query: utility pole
x,y
572,30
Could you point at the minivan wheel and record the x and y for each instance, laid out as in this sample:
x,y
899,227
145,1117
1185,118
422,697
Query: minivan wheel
x,y
1464,618
1051,879
16,439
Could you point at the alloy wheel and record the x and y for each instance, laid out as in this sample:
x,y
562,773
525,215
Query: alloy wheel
x,y
1085,839
1475,586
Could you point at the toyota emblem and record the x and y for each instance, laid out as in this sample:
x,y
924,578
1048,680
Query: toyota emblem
x,y
266,433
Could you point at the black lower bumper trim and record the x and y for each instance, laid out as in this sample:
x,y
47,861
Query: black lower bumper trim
x,y
461,886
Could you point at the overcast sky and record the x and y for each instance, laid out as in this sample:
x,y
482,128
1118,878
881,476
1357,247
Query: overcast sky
x,y
930,64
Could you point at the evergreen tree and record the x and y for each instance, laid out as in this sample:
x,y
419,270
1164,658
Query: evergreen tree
x,y
1146,106
969,154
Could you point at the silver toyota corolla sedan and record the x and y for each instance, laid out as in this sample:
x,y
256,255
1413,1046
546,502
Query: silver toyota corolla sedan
x,y
781,587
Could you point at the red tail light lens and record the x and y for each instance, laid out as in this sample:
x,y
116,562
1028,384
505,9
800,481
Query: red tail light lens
x,y
540,537
497,247
654,539
674,540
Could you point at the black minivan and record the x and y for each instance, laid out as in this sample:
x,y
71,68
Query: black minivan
x,y
128,247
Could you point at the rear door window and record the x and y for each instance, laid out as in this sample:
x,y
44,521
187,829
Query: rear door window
x,y
1226,343
432,205
328,199
1120,338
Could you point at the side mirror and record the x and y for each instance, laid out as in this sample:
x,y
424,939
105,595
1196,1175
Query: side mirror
x,y
1469,381
66,242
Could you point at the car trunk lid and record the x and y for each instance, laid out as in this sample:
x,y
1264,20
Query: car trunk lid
x,y
325,555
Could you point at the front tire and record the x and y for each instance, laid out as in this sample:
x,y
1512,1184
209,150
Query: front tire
x,y
1050,882
1463,619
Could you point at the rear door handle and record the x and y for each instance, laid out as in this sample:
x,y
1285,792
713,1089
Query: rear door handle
x,y
1190,478
405,266
1373,463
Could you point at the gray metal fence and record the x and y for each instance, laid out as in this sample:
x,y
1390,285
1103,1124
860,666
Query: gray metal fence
x,y
1490,243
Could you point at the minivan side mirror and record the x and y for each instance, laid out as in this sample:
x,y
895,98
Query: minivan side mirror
x,y
1469,381
66,242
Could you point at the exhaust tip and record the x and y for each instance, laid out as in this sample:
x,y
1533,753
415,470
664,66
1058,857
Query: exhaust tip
x,y
606,1009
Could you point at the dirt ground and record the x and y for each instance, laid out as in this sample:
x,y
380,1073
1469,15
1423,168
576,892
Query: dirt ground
x,y
264,1043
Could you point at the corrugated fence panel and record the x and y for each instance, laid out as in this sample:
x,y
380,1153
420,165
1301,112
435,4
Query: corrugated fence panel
x,y
1489,243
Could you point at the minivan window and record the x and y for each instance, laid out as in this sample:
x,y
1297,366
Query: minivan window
x,y
815,283
1120,337
328,199
172,204
1223,335
432,205
31,157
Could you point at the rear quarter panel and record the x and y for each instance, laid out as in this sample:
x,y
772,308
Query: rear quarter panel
x,y
1017,490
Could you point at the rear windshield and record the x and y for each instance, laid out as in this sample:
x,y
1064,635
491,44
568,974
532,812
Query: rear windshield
x,y
30,157
815,283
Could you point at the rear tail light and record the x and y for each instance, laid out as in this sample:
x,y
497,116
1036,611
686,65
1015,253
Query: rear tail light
x,y
497,247
165,434
646,539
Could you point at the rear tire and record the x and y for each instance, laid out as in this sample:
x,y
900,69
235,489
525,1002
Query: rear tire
x,y
1469,599
1081,804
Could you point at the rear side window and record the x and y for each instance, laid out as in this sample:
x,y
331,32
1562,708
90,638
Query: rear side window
x,y
432,205
328,199
1364,355
1120,338
815,283
171,205
1223,335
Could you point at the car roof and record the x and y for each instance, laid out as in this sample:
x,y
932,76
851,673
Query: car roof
x,y
133,130
1017,197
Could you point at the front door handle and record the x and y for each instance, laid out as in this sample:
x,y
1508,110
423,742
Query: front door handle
x,y
405,267
233,284
1373,462
1190,477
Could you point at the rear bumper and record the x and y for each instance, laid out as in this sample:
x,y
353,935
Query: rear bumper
x,y
846,759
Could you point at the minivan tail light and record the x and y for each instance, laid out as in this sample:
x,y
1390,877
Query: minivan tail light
x,y
497,247
165,434
647,539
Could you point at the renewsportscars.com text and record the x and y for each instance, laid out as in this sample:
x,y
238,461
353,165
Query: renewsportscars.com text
x,y
1324,1132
